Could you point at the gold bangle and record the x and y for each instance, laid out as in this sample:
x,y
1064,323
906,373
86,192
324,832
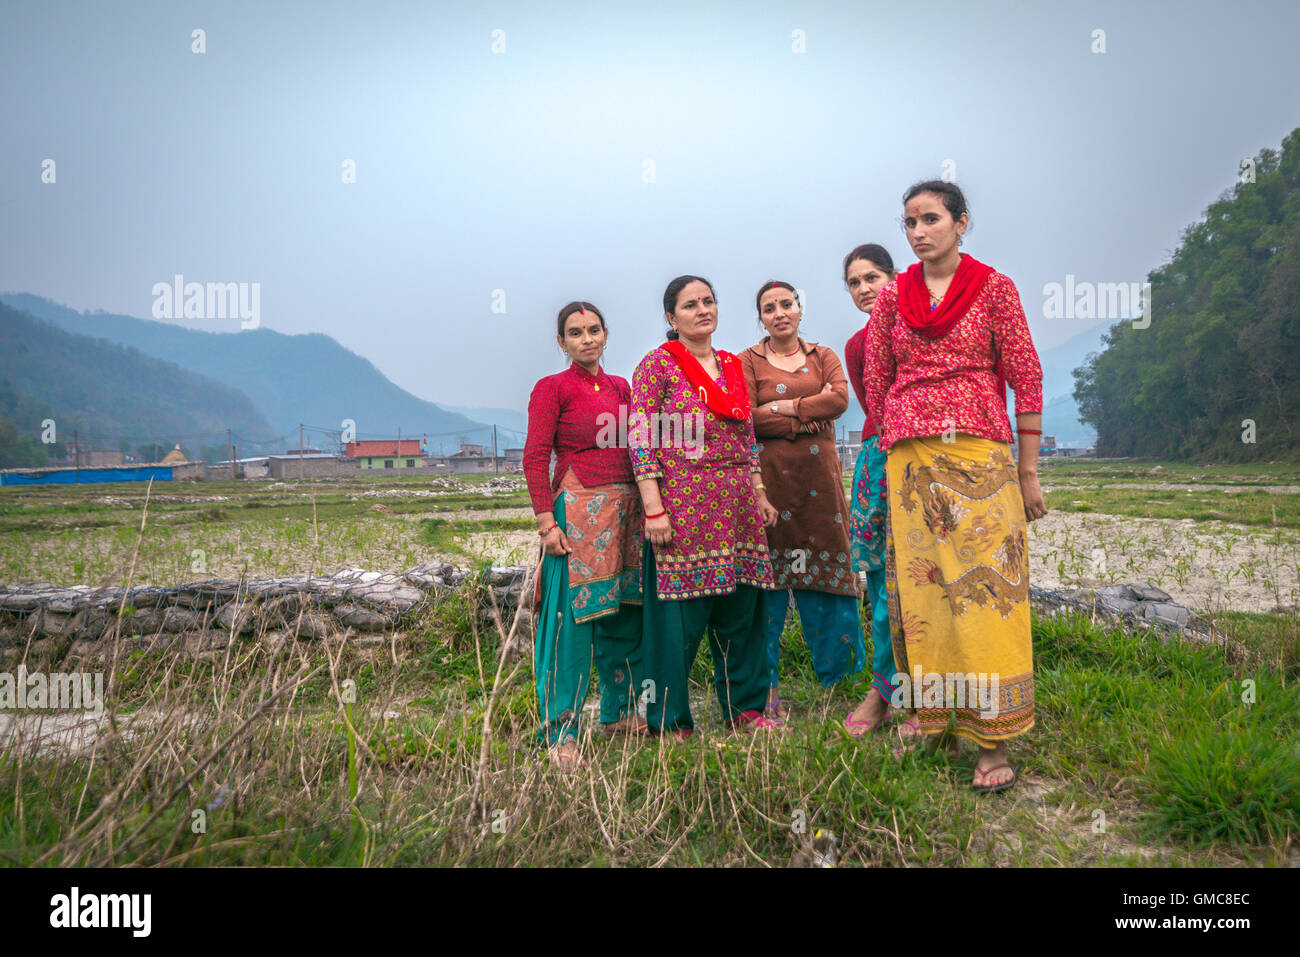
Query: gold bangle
x,y
760,487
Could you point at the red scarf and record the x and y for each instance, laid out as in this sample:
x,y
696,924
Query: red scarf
x,y
914,297
967,283
732,404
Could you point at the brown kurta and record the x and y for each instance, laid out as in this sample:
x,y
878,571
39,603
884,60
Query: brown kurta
x,y
802,470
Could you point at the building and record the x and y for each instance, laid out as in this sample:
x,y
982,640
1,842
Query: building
x,y
470,460
320,465
386,454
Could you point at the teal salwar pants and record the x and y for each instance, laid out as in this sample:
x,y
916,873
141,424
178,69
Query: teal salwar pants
x,y
883,669
672,633
868,509
564,651
831,626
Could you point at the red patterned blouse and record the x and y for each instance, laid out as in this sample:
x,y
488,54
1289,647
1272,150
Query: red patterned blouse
x,y
564,416
927,386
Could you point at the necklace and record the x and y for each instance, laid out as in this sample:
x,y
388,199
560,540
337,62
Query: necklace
x,y
783,355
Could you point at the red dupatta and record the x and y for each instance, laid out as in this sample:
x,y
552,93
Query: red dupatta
x,y
914,297
967,283
732,404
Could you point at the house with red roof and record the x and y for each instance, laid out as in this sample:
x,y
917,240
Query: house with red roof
x,y
386,453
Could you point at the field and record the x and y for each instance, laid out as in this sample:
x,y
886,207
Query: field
x,y
1145,752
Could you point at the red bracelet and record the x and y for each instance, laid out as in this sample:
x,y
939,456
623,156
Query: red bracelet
x,y
1029,431
656,514
547,531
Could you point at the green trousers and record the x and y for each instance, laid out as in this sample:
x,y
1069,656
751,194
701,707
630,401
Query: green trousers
x,y
564,652
672,632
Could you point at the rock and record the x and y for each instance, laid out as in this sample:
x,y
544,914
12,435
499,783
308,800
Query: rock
x,y
1167,613
362,619
236,617
1143,591
282,610
176,620
1119,605
143,621
52,623
312,625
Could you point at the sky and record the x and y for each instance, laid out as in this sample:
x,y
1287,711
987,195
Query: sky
x,y
509,158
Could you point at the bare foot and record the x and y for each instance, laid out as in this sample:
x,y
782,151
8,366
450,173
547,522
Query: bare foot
x,y
909,734
566,755
775,707
992,769
632,724
867,716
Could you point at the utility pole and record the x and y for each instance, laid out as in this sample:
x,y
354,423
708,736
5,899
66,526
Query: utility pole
x,y
230,451
76,451
300,465
496,466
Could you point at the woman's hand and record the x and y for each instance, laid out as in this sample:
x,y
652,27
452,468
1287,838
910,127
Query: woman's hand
x,y
659,530
556,543
1035,507
782,407
767,510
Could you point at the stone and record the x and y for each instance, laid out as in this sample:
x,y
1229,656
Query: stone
x,y
1167,613
362,619
1144,591
312,625
176,620
236,617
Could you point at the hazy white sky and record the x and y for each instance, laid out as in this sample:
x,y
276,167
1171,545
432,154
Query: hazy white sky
x,y
524,170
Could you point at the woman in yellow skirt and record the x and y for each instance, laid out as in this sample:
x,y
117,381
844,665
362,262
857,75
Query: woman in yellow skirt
x,y
944,340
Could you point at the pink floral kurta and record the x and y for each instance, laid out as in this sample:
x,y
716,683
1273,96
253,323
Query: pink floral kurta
x,y
719,540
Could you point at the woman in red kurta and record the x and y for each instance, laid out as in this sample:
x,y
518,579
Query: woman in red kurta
x,y
943,339
589,519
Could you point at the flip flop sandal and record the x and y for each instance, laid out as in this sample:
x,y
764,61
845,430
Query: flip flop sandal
x,y
1000,786
748,722
776,707
850,723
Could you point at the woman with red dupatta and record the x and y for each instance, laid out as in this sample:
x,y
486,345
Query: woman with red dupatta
x,y
943,341
696,463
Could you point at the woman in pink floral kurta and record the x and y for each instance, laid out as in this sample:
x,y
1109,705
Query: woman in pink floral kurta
x,y
696,464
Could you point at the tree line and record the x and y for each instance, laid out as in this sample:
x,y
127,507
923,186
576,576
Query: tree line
x,y
1215,376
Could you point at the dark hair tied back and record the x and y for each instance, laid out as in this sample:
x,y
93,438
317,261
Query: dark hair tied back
x,y
768,287
954,200
873,253
580,305
674,290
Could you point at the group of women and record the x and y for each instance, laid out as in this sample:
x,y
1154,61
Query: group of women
x,y
650,544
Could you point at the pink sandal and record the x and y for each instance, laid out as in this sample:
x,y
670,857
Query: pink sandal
x,y
850,723
1000,786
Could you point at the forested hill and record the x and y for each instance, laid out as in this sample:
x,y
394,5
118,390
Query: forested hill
x,y
116,397
1216,376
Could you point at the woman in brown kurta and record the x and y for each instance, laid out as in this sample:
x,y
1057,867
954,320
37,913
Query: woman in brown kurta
x,y
797,390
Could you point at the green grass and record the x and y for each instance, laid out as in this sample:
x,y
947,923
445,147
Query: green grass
x,y
1246,508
